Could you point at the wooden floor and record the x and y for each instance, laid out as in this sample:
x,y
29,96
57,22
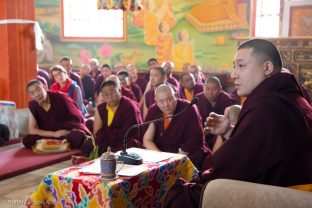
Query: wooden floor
x,y
14,191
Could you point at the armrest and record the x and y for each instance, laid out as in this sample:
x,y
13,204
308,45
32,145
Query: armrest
x,y
223,193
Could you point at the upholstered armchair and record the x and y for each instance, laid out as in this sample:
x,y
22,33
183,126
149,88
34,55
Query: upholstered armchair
x,y
224,193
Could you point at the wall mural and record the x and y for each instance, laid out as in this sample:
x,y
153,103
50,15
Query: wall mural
x,y
196,32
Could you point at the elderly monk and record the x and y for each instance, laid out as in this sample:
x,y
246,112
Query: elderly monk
x,y
189,87
54,115
182,134
213,99
113,117
271,142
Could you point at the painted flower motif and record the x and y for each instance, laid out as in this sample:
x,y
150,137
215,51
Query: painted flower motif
x,y
106,50
85,56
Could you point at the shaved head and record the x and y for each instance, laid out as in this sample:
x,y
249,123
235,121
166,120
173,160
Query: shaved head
x,y
164,88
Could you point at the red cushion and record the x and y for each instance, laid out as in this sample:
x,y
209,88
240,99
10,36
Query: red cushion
x,y
20,160
11,141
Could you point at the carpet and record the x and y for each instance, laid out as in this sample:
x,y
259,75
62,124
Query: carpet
x,y
21,160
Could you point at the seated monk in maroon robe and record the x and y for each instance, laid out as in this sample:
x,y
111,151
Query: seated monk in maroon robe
x,y
136,78
169,68
213,99
124,91
189,87
106,71
157,77
271,142
125,83
113,117
182,134
54,115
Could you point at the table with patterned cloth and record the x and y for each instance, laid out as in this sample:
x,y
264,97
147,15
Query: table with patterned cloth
x,y
72,188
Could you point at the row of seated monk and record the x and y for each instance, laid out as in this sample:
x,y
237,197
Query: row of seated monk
x,y
89,77
84,86
116,113
269,141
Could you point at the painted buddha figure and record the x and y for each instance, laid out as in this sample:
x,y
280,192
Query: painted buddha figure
x,y
183,51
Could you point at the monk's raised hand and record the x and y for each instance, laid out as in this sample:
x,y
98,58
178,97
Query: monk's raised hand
x,y
217,124
61,133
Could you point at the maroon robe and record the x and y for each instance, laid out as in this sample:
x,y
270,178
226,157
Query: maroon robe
x,y
98,84
136,91
42,80
198,88
94,73
128,93
270,144
88,84
184,131
142,82
63,114
43,73
127,114
172,80
150,95
205,108
306,94
74,76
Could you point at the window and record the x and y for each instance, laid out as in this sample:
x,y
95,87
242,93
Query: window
x,y
82,20
267,18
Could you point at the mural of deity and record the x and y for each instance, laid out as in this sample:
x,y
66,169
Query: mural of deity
x,y
183,51
164,43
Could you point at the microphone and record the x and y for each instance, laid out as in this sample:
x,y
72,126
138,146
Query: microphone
x,y
134,158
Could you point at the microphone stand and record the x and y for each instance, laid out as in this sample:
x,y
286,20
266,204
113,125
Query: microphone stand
x,y
134,158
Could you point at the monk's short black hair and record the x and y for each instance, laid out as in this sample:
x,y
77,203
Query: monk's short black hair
x,y
108,83
106,65
184,74
123,72
160,69
213,79
150,60
265,50
66,58
32,82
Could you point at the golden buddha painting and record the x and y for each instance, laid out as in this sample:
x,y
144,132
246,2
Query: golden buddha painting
x,y
164,43
218,15
183,50
153,15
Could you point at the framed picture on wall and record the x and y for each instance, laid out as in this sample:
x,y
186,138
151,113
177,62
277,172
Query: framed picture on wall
x,y
297,18
83,21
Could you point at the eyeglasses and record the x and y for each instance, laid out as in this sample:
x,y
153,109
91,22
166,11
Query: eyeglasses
x,y
109,94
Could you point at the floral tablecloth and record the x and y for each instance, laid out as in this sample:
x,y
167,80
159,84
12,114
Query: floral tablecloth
x,y
71,188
